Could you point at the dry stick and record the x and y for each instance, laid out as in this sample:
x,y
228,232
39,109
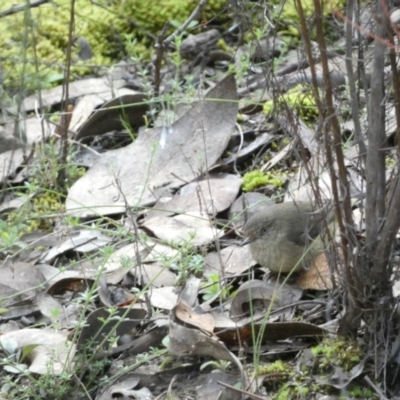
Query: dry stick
x,y
396,89
330,120
163,44
62,174
354,284
129,213
310,171
388,233
192,16
158,61
318,101
17,9
392,221
392,24
245,392
37,70
355,112
375,170
375,388
366,32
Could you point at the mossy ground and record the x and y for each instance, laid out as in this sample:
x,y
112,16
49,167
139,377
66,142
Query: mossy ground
x,y
286,381
287,13
253,180
300,98
34,42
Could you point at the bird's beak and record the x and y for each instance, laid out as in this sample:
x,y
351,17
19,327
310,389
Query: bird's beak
x,y
247,241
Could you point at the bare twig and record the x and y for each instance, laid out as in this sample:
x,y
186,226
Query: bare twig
x,y
62,174
158,61
355,112
192,16
23,7
375,171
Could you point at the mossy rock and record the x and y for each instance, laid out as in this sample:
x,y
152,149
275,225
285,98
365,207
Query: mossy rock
x,y
41,33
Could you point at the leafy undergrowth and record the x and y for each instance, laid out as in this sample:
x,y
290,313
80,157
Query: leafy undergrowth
x,y
129,280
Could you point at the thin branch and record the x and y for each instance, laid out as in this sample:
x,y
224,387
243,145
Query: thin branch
x,y
375,171
355,110
62,175
17,9
159,57
192,16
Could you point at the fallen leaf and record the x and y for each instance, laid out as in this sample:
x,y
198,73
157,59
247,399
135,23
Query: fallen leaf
x,y
195,141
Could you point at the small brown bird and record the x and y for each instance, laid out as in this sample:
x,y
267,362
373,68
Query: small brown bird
x,y
286,236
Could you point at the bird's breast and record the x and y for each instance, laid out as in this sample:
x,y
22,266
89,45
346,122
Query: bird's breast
x,y
277,255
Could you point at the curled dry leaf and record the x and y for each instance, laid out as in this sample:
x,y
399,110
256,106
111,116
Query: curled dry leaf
x,y
128,107
256,295
273,331
187,341
82,241
187,315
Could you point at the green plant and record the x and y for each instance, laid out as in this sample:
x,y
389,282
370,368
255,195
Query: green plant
x,y
357,392
300,98
290,391
187,265
44,200
212,287
287,14
219,366
255,179
33,42
343,353
277,366
10,234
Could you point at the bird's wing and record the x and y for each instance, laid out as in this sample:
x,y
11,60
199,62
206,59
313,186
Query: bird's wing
x,y
313,225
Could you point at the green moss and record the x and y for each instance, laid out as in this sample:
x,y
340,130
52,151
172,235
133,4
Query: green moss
x,y
358,392
33,217
276,367
212,287
285,141
390,162
288,15
343,353
288,383
42,34
300,98
293,391
223,46
240,118
255,179
284,394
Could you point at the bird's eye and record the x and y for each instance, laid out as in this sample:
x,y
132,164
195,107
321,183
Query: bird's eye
x,y
264,230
